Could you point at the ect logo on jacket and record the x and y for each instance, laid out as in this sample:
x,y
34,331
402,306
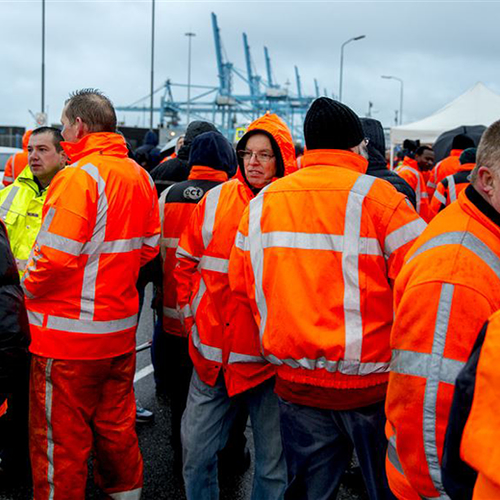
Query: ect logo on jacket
x,y
193,193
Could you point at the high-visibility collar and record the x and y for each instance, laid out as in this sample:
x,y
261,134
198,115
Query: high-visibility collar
x,y
464,167
335,158
27,178
105,143
201,172
476,206
456,152
410,162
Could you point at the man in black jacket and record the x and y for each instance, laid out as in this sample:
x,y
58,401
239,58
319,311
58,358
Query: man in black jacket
x,y
14,367
377,166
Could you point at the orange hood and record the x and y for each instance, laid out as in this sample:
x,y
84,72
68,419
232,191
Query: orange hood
x,y
279,133
26,139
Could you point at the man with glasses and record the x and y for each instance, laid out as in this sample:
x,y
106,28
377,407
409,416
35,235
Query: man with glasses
x,y
229,371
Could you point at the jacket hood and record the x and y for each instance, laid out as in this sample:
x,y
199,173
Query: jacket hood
x,y
212,149
281,139
26,139
194,129
150,139
374,131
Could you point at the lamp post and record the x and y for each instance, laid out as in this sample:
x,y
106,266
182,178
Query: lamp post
x,y
190,36
43,57
152,64
388,77
356,38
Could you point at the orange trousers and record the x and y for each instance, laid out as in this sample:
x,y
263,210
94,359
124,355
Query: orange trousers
x,y
79,406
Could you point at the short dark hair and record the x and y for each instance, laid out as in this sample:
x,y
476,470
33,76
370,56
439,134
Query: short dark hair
x,y
94,109
420,150
57,137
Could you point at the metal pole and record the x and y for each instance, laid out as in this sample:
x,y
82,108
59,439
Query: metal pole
x,y
401,83
152,65
190,36
43,56
354,39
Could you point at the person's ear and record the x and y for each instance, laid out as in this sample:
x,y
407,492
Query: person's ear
x,y
485,180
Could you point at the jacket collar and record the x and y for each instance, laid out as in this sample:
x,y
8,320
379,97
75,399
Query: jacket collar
x,y
410,162
104,143
471,197
456,152
207,173
335,158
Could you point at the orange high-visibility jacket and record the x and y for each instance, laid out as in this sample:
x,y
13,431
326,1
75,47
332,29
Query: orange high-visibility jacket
x,y
17,163
315,254
177,203
410,172
100,224
448,287
448,166
223,330
482,432
450,187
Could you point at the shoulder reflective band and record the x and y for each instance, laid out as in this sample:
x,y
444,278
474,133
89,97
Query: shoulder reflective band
x,y
403,235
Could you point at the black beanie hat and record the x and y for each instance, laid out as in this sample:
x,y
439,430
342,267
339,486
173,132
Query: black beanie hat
x,y
468,156
330,124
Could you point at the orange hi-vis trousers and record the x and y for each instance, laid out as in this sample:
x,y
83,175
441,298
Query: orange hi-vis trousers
x,y
79,406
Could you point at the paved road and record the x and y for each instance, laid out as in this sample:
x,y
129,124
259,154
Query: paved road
x,y
160,482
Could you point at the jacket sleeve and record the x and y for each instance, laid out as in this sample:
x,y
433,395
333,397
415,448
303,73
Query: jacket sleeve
x,y
438,201
404,227
14,331
241,278
8,176
68,217
189,253
151,245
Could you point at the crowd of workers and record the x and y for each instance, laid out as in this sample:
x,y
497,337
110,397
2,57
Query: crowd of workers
x,y
338,305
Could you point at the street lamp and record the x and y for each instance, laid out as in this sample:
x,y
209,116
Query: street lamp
x,y
355,39
152,64
190,36
387,77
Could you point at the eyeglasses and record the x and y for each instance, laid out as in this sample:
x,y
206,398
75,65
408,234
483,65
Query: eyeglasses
x,y
261,157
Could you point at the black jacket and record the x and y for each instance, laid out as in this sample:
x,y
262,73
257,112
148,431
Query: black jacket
x,y
177,169
377,166
14,327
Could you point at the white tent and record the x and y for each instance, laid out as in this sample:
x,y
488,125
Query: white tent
x,y
478,106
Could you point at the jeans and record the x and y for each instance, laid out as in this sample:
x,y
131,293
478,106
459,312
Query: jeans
x,y
205,429
318,446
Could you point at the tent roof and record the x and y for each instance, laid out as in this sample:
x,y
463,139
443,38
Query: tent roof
x,y
477,106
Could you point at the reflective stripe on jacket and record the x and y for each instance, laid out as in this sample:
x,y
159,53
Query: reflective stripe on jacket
x,y
449,188
448,166
100,224
415,178
448,287
21,206
177,203
224,330
482,432
315,253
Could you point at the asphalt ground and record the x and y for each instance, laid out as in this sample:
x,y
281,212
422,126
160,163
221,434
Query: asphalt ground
x,y
160,480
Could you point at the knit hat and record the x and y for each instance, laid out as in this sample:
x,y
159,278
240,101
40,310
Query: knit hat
x,y
330,124
468,156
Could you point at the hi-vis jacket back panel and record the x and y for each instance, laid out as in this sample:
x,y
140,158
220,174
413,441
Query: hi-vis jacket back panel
x,y
448,287
315,254
21,206
100,224
177,203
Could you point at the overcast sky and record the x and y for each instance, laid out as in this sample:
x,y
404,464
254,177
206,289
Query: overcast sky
x,y
439,49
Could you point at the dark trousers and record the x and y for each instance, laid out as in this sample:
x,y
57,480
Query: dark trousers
x,y
318,446
172,373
